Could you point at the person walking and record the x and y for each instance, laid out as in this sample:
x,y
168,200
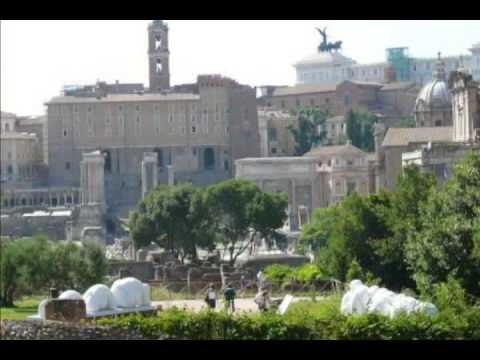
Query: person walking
x,y
229,295
211,297
243,286
262,299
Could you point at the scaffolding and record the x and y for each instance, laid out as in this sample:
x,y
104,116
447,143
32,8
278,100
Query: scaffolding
x,y
399,59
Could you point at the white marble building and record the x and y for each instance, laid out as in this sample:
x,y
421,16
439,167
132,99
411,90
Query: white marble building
x,y
334,67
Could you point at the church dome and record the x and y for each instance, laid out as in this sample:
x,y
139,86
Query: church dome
x,y
434,95
323,59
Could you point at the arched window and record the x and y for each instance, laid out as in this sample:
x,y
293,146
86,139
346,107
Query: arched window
x,y
7,127
209,159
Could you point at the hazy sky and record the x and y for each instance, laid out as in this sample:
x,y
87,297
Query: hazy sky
x,y
39,57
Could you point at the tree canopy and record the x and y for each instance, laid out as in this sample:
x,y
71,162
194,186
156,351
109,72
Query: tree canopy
x,y
307,134
182,218
360,126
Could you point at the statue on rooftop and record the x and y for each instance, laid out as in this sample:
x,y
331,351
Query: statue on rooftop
x,y
325,46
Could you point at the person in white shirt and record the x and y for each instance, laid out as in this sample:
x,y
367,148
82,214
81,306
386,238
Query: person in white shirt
x,y
262,300
211,297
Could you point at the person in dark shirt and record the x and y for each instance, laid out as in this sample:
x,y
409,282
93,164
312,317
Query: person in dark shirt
x,y
229,295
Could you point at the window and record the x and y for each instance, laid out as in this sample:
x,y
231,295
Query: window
x,y
89,109
351,187
209,159
194,129
158,42
274,150
75,108
7,127
226,165
312,102
159,66
137,108
159,153
67,165
347,100
9,169
297,102
65,133
282,104
438,123
350,162
108,161
120,108
272,134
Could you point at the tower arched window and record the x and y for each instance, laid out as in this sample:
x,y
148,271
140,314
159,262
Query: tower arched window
x,y
158,42
159,66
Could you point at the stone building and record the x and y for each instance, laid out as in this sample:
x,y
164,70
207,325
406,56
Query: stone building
x,y
433,106
436,149
22,162
390,100
199,129
321,177
275,138
327,67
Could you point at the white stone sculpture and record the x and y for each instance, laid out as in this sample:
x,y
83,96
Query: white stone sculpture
x,y
131,293
41,309
361,299
70,295
98,298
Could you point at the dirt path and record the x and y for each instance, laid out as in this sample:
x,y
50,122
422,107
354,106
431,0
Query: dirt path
x,y
241,305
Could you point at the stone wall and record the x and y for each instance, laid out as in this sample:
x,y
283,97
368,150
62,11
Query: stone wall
x,y
142,270
53,330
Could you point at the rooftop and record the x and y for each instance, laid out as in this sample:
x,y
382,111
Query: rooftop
x,y
325,59
117,98
405,136
335,150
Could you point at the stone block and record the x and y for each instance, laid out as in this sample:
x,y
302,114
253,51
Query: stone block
x,y
65,310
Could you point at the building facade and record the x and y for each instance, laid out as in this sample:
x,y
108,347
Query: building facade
x,y
390,100
276,140
327,67
436,149
322,177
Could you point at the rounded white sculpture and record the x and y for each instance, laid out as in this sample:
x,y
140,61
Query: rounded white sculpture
x,y
130,293
70,295
98,298
41,309
361,299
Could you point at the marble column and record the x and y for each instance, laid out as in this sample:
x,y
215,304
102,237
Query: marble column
x,y
149,172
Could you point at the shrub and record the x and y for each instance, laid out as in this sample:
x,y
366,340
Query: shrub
x,y
307,273
303,324
279,274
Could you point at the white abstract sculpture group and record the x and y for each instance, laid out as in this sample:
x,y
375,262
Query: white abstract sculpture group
x,y
125,294
361,299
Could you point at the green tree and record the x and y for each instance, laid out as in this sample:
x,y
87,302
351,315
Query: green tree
x,y
241,211
315,234
174,217
445,242
307,133
268,213
360,126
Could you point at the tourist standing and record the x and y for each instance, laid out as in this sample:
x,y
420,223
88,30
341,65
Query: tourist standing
x,y
243,285
229,295
260,280
262,299
211,297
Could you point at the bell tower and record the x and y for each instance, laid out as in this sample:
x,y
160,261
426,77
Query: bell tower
x,y
158,56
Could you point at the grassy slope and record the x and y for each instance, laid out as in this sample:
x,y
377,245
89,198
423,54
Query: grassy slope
x,y
23,308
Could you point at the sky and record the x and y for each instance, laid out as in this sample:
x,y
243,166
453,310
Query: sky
x,y
39,57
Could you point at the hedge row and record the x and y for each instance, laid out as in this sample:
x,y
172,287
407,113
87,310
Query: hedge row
x,y
207,325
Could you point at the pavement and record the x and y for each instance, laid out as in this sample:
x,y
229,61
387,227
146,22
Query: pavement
x,y
241,304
